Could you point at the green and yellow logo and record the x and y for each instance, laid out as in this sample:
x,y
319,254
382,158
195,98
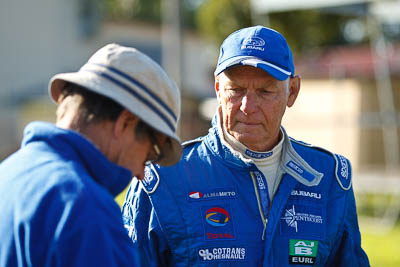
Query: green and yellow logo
x,y
302,252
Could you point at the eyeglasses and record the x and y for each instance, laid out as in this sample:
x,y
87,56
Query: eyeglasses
x,y
156,154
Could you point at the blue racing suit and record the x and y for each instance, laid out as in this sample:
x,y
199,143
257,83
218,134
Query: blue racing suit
x,y
213,209
57,206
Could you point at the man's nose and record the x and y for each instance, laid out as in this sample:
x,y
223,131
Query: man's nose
x,y
249,103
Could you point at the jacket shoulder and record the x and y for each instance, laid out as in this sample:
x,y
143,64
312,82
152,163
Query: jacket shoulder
x,y
342,165
192,155
190,143
301,146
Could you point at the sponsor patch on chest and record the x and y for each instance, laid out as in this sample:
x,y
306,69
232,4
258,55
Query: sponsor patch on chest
x,y
212,254
306,194
218,223
302,252
302,220
211,194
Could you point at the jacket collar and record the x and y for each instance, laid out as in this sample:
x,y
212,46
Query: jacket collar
x,y
220,148
293,164
73,146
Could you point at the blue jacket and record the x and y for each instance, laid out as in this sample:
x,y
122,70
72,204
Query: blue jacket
x,y
57,206
212,209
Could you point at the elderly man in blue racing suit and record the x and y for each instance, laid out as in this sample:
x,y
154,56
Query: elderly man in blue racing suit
x,y
247,194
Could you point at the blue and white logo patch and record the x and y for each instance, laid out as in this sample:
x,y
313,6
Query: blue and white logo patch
x,y
210,194
300,220
306,194
254,42
300,171
343,172
150,181
258,155
212,254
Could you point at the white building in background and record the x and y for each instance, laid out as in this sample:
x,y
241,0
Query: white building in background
x,y
41,38
37,39
326,114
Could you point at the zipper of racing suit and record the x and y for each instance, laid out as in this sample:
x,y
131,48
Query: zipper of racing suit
x,y
264,220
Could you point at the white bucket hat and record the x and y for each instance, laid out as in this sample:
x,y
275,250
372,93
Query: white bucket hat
x,y
136,82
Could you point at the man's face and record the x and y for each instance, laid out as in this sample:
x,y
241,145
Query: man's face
x,y
130,145
139,150
133,156
253,103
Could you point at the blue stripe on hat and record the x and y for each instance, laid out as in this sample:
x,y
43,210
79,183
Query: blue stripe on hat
x,y
145,89
131,91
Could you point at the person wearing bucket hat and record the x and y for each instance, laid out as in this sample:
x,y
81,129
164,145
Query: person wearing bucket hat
x,y
247,194
117,113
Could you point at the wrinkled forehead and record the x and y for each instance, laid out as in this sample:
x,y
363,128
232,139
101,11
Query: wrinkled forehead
x,y
246,76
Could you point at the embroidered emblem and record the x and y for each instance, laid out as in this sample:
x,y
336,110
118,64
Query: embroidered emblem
x,y
300,171
307,194
218,223
150,182
222,254
255,43
217,217
195,195
260,181
343,172
209,194
304,220
258,155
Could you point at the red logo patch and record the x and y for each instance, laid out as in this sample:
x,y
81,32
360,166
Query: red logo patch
x,y
220,236
195,195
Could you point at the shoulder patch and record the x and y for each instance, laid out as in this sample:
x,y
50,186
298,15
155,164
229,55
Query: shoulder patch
x,y
151,179
343,171
310,145
342,165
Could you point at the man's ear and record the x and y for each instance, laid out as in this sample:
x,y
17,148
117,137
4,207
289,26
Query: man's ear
x,y
217,88
294,88
124,122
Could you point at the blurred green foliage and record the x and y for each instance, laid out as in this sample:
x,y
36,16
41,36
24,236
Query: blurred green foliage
x,y
378,239
308,29
143,10
146,11
216,19
375,205
381,248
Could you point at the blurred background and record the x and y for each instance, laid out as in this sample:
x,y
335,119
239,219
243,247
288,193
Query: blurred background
x,y
347,52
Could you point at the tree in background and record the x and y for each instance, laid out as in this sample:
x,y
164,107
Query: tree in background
x,y
308,29
148,10
304,29
216,19
143,10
